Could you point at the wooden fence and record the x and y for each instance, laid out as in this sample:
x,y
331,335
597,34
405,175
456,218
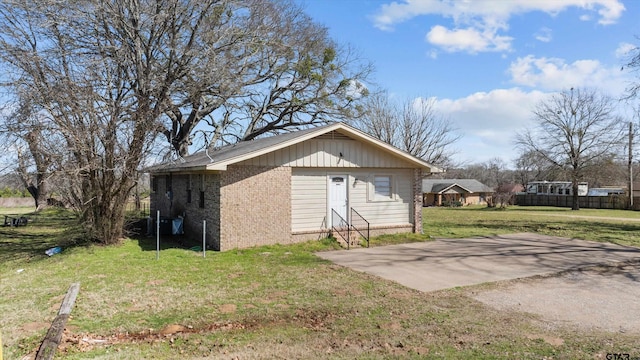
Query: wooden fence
x,y
620,202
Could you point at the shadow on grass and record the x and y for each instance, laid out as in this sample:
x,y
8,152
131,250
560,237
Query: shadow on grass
x,y
136,229
42,232
149,243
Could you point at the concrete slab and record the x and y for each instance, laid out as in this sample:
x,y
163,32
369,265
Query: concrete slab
x,y
447,263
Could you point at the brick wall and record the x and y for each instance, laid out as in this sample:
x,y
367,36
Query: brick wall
x,y
158,198
255,206
179,205
248,206
417,201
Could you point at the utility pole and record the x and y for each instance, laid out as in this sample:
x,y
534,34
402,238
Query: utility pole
x,y
630,165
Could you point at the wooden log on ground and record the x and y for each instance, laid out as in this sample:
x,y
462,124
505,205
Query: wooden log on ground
x,y
51,341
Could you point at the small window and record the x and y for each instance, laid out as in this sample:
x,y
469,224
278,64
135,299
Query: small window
x,y
202,199
189,185
168,184
382,186
154,184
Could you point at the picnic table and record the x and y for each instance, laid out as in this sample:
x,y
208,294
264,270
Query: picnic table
x,y
15,221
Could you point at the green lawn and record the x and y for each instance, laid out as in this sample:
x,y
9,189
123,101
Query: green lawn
x,y
616,226
276,301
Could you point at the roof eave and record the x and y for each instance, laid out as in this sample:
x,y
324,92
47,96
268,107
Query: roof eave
x,y
169,170
454,185
350,131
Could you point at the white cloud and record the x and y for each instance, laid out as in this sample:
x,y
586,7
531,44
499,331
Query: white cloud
x,y
489,121
624,50
470,39
609,12
585,17
555,74
544,34
483,20
463,11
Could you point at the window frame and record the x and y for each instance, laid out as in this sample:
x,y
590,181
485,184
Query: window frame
x,y
189,184
201,199
154,184
374,195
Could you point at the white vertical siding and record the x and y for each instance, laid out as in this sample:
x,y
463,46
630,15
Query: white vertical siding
x,y
309,197
390,212
325,153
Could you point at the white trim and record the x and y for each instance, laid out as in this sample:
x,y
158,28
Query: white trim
x,y
345,129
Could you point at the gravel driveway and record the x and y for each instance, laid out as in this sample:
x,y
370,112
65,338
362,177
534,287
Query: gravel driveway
x,y
602,298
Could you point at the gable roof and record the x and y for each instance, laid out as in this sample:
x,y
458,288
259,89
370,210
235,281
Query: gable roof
x,y
219,159
441,185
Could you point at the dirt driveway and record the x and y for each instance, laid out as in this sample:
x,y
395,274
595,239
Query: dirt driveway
x,y
594,285
599,298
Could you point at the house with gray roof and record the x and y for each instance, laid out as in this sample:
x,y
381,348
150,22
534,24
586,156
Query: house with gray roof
x,y
437,192
292,187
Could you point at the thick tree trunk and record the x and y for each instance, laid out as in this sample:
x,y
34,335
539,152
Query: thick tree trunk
x,y
104,218
38,191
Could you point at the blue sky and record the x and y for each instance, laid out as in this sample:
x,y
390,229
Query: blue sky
x,y
488,62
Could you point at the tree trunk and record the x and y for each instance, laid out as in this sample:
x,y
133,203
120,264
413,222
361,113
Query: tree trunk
x,y
39,196
105,220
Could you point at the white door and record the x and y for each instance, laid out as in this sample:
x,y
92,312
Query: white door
x,y
337,199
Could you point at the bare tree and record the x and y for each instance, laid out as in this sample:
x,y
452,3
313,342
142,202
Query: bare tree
x,y
22,129
247,68
633,90
381,118
414,126
574,129
105,78
492,173
530,166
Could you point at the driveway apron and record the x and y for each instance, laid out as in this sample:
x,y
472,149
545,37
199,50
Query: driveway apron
x,y
448,263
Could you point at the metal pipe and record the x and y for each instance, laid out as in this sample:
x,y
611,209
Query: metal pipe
x,y
204,238
158,236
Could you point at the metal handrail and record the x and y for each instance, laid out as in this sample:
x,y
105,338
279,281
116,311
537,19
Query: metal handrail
x,y
355,217
342,223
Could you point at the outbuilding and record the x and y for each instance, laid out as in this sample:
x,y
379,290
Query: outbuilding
x,y
292,187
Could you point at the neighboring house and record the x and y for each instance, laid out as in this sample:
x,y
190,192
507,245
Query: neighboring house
x,y
556,188
439,192
284,188
607,191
